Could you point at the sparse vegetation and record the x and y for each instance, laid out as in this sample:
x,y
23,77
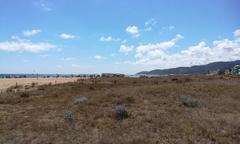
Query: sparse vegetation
x,y
24,95
174,79
91,88
16,86
115,81
201,109
155,82
33,84
68,116
27,87
120,112
189,102
41,88
130,99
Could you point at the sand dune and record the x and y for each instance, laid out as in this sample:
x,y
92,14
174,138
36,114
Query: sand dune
x,y
6,83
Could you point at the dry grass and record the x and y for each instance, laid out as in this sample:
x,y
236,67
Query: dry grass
x,y
156,114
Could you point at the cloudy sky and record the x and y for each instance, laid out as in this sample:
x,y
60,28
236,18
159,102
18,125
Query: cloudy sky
x,y
127,36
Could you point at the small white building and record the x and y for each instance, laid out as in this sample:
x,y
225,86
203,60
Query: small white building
x,y
236,70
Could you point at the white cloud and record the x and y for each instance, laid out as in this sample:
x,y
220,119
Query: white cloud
x,y
15,37
67,36
25,45
157,56
168,28
237,33
43,5
98,57
126,49
155,53
161,45
108,39
133,30
33,32
149,24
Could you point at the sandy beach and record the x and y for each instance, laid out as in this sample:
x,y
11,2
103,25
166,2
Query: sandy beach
x,y
6,83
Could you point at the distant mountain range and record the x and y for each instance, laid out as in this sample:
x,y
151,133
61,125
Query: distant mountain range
x,y
200,69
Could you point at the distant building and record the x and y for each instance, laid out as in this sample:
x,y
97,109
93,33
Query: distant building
x,y
227,71
236,70
108,75
214,72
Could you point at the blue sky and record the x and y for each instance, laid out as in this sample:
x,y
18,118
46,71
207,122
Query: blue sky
x,y
127,36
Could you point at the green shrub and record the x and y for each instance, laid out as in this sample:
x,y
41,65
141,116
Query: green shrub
x,y
68,116
189,102
121,112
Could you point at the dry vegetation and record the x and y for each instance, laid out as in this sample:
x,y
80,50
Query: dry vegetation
x,y
200,109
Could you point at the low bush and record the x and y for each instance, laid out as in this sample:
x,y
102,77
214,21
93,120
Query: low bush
x,y
130,99
24,95
41,88
174,79
121,112
91,88
155,82
33,84
189,102
68,116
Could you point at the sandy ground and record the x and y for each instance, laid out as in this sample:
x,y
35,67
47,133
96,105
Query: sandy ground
x,y
6,83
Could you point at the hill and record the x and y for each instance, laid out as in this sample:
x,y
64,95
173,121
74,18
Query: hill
x,y
201,69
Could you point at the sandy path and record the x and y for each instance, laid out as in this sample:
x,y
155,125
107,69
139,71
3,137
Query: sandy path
x,y
6,83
